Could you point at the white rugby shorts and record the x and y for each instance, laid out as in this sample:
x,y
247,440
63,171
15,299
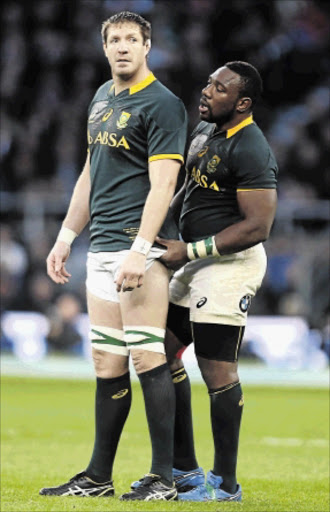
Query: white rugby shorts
x,y
103,268
219,290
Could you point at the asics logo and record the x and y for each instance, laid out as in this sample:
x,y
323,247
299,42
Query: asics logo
x,y
179,378
156,495
120,394
107,115
201,302
78,491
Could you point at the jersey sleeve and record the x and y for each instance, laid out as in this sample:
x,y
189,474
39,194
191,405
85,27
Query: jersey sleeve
x,y
167,131
255,165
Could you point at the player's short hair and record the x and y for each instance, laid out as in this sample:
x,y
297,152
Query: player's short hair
x,y
127,17
251,81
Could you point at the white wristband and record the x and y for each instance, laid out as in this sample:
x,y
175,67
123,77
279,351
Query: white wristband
x,y
66,235
141,245
202,249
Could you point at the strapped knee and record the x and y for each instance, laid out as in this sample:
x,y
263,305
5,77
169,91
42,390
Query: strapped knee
x,y
144,338
108,339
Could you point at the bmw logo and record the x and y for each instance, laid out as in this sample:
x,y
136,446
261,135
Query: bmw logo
x,y
245,303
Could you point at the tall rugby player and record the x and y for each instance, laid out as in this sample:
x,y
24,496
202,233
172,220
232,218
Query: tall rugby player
x,y
136,141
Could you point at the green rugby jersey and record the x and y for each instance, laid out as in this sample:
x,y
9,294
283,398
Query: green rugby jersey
x,y
218,165
125,132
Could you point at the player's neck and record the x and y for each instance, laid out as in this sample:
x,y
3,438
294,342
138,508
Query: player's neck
x,y
121,83
222,127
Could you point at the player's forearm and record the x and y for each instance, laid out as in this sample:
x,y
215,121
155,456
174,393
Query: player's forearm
x,y
235,238
163,176
241,236
77,216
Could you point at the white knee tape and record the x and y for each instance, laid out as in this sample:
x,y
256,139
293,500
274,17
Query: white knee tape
x,y
108,340
145,337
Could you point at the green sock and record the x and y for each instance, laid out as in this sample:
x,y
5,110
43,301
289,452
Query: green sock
x,y
112,405
159,399
184,450
226,413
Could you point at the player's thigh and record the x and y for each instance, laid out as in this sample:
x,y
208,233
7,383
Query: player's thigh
x,y
218,342
103,312
109,351
173,350
178,334
217,348
222,289
178,321
144,312
147,305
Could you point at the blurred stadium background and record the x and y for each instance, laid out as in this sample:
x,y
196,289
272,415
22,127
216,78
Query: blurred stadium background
x,y
51,64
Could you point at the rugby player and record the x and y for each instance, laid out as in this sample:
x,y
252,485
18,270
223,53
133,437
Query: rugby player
x,y
136,139
226,209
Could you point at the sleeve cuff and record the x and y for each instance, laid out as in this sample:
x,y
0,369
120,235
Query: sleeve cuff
x,y
170,156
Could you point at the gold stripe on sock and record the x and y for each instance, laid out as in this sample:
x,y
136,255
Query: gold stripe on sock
x,y
226,388
175,372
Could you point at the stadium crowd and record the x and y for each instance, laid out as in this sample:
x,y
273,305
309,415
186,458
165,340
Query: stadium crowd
x,y
52,63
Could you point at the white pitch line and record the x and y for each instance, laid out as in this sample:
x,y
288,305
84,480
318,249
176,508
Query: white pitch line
x,y
294,441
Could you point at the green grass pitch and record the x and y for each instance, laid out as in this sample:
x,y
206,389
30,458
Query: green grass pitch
x,y
47,435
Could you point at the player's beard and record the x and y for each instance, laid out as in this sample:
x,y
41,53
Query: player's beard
x,y
125,74
124,77
224,117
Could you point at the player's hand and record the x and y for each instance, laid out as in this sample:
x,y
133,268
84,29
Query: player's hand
x,y
176,253
56,263
131,273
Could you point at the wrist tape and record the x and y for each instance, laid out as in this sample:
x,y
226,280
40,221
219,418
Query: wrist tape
x,y
141,245
66,235
202,249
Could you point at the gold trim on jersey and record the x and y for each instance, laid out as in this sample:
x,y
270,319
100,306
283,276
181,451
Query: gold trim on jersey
x,y
165,156
250,189
238,127
139,86
143,84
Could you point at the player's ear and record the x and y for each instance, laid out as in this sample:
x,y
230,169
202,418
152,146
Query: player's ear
x,y
148,46
244,104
